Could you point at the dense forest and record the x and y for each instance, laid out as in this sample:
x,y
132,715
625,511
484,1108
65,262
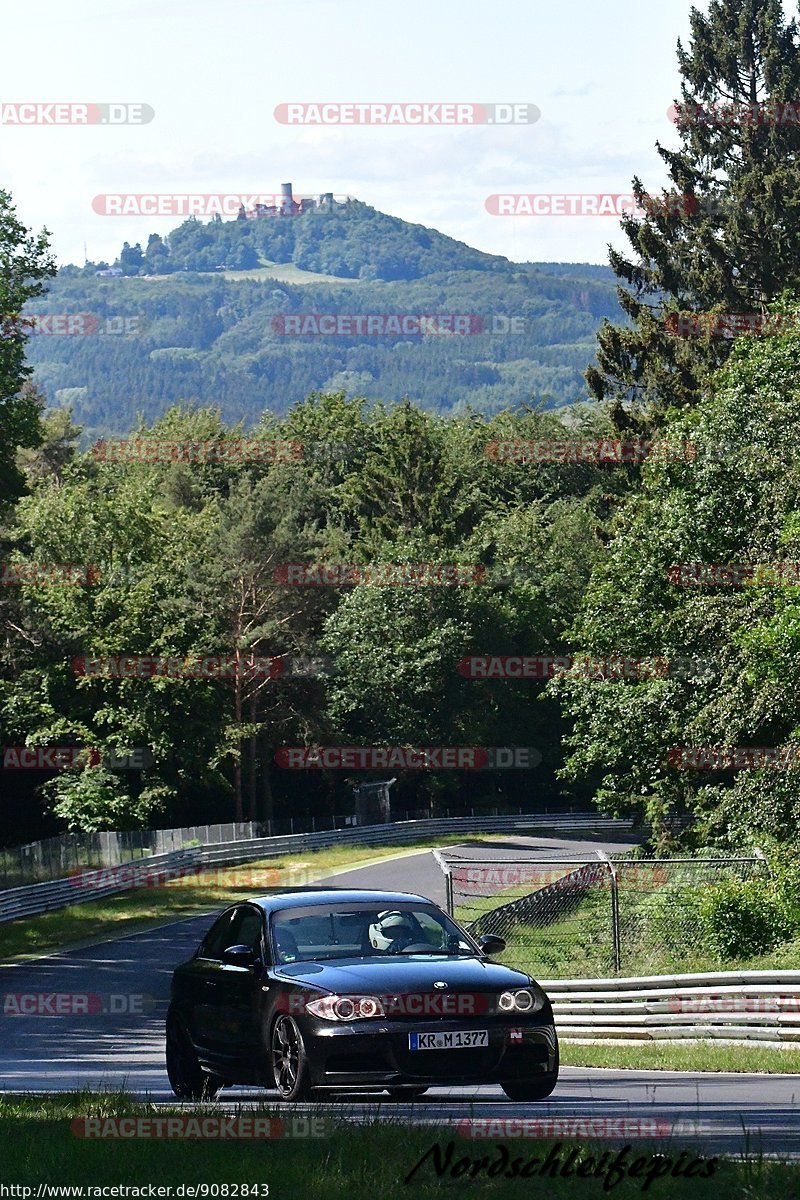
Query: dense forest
x,y
190,559
197,319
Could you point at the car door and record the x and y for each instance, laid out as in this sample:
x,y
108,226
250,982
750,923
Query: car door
x,y
205,969
233,993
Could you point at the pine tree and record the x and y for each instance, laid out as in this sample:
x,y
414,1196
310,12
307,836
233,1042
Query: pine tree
x,y
25,264
723,237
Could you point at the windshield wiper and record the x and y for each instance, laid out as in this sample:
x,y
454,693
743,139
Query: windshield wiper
x,y
446,953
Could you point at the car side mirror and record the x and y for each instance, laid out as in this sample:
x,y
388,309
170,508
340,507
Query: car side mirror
x,y
239,956
490,943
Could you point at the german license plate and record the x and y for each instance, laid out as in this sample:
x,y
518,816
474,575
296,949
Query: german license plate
x,y
462,1039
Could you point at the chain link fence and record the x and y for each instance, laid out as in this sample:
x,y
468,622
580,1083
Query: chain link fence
x,y
590,917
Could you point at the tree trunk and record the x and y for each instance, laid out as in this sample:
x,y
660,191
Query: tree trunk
x,y
237,762
252,796
267,799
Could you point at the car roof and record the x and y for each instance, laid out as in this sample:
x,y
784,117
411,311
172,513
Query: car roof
x,y
301,897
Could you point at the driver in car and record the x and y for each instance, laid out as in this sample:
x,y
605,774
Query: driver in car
x,y
392,932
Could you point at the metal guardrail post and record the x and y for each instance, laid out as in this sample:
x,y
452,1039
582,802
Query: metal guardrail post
x,y
615,935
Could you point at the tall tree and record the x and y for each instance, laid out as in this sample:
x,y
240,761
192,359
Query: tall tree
x,y
25,263
723,236
733,643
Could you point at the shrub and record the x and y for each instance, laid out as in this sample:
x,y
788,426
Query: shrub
x,y
741,918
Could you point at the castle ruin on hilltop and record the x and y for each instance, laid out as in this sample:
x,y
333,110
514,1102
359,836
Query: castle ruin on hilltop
x,y
288,206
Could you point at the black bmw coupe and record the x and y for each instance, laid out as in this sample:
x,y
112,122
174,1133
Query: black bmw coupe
x,y
314,991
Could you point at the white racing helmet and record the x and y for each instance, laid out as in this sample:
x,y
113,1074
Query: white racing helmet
x,y
388,927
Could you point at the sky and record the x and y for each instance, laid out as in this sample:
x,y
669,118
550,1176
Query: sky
x,y
603,77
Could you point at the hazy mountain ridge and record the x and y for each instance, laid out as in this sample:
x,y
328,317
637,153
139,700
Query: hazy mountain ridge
x,y
182,334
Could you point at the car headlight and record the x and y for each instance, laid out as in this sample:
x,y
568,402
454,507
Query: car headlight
x,y
346,1008
523,1001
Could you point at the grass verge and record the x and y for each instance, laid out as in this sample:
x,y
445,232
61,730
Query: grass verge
x,y
699,1056
356,1162
139,908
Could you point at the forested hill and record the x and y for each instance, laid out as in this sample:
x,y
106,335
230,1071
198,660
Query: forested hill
x,y
350,241
197,316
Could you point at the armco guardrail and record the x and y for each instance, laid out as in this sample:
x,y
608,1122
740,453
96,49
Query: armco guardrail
x,y
762,1006
93,884
45,897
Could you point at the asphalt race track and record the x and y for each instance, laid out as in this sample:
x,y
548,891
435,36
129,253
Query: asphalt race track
x,y
119,1044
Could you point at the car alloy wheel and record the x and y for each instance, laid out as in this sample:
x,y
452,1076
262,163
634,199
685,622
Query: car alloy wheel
x,y
187,1078
289,1061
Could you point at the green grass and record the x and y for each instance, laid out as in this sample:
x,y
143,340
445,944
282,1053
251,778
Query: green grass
x,y
696,1056
140,908
579,945
354,1162
284,273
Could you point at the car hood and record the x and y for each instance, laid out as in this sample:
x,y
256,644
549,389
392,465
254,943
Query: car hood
x,y
404,973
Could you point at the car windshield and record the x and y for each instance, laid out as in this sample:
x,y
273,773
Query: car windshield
x,y
365,931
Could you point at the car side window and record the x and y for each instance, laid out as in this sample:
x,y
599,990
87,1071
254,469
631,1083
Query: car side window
x,y
218,937
246,929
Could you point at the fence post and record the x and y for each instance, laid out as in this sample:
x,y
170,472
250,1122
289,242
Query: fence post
x,y
615,938
759,853
448,879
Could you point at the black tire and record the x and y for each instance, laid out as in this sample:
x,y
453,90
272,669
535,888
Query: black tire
x,y
289,1060
530,1089
539,1087
406,1092
187,1078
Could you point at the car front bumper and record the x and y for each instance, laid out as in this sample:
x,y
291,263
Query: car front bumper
x,y
377,1053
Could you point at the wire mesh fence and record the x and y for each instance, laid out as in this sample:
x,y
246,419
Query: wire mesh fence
x,y
593,916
